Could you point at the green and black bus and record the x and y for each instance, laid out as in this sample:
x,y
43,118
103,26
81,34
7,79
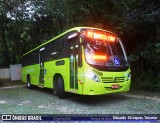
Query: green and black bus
x,y
82,60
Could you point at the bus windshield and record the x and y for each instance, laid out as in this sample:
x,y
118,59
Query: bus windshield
x,y
106,53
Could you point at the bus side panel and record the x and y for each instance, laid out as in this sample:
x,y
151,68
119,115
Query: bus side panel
x,y
51,68
33,71
80,80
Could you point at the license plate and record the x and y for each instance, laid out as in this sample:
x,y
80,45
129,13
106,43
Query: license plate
x,y
116,86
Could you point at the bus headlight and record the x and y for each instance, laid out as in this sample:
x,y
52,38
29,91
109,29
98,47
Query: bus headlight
x,y
128,77
92,76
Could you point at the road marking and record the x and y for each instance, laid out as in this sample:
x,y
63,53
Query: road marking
x,y
41,106
3,101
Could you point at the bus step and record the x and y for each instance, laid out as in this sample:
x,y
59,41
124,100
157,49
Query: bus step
x,y
41,86
72,91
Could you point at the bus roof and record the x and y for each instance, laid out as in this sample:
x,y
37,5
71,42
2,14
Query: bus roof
x,y
62,34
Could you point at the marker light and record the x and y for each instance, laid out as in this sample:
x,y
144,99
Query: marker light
x,y
97,57
99,35
72,35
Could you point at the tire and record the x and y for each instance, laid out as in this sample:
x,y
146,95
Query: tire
x,y
60,88
55,91
29,82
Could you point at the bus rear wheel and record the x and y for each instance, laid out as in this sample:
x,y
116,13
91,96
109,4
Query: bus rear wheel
x,y
29,82
60,88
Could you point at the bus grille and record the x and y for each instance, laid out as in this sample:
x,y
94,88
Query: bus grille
x,y
112,79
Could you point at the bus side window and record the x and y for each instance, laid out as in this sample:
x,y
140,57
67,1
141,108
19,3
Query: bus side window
x,y
56,49
53,50
75,43
50,51
46,53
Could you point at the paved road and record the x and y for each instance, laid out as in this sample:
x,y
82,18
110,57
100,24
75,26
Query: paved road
x,y
41,101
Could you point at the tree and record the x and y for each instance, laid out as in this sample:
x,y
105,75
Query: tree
x,y
24,24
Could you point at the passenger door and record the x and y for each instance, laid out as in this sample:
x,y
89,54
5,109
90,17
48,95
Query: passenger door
x,y
73,50
41,63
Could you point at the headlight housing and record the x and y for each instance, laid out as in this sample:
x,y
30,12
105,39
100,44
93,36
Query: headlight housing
x,y
128,77
91,75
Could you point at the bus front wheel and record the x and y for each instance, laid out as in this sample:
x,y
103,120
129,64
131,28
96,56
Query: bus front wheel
x,y
60,88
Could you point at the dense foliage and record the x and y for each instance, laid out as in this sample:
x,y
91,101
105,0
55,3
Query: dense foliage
x,y
25,24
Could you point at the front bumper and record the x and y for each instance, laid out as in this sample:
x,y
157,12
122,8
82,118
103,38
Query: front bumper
x,y
98,88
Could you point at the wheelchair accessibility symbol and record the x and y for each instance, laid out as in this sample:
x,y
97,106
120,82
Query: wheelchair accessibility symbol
x,y
116,61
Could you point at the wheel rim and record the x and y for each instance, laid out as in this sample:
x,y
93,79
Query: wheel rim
x,y
28,83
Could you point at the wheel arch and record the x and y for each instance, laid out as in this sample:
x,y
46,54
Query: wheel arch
x,y
28,76
55,79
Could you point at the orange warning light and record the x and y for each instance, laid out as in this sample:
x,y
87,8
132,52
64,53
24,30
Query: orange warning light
x,y
97,57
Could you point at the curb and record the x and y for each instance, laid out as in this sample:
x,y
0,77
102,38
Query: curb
x,y
16,86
